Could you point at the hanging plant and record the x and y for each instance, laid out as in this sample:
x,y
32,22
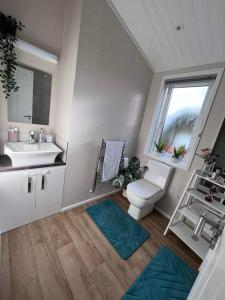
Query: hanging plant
x,y
8,59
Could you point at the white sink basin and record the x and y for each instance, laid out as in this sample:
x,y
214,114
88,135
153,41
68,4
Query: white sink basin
x,y
25,154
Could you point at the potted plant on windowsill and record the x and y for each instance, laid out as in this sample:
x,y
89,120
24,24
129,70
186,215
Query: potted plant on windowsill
x,y
159,147
177,153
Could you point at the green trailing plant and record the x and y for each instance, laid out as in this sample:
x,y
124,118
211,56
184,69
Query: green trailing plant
x,y
130,174
178,151
160,146
8,59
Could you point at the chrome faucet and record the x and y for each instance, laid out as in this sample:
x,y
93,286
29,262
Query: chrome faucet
x,y
41,136
32,138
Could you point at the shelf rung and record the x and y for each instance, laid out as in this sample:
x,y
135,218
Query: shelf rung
x,y
184,232
193,213
214,206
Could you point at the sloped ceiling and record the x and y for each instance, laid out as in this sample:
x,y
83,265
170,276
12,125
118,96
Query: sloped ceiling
x,y
152,24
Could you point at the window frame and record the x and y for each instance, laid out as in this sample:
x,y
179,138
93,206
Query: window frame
x,y
161,110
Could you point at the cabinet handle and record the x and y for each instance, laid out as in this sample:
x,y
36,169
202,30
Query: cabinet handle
x,y
29,184
43,180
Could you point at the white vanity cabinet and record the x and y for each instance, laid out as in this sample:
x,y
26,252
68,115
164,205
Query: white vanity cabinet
x,y
29,195
49,187
16,202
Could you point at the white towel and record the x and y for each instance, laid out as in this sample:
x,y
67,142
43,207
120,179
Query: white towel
x,y
112,157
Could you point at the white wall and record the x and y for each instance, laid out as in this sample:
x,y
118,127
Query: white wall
x,y
211,130
68,68
44,21
111,88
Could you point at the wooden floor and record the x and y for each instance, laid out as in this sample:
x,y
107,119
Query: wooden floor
x,y
65,256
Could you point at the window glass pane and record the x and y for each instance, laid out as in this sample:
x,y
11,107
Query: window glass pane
x,y
183,111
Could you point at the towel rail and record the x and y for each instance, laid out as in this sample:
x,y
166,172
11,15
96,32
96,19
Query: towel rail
x,y
100,160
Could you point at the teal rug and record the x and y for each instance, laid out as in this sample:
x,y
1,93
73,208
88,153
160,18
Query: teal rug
x,y
166,277
123,232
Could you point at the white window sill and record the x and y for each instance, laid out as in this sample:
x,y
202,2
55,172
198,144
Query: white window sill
x,y
167,159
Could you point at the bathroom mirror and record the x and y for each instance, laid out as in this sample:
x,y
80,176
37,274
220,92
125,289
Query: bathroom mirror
x,y
31,103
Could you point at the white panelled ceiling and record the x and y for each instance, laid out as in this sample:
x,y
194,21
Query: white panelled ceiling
x,y
152,24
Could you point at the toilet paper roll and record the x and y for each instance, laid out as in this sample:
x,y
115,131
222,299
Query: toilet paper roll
x,y
126,162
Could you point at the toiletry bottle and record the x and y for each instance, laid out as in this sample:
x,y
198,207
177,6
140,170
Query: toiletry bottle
x,y
13,134
41,136
49,136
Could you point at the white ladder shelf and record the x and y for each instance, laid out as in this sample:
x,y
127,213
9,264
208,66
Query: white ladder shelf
x,y
191,205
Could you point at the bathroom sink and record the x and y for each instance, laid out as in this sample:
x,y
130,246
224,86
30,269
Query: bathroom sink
x,y
25,154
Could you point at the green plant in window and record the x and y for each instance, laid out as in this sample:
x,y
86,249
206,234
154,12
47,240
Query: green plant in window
x,y
178,151
160,145
8,60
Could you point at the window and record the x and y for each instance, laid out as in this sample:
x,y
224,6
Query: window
x,y
181,113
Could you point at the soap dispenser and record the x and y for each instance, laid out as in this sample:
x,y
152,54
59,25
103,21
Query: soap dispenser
x,y
41,136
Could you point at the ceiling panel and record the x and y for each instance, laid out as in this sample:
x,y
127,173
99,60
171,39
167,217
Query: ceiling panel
x,y
152,25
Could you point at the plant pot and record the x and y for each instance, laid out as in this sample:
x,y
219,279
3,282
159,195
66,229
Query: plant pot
x,y
158,154
175,160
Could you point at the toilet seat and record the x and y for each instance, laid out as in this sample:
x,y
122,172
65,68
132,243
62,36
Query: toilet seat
x,y
143,189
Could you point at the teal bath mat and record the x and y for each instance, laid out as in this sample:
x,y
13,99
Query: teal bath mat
x,y
124,233
166,277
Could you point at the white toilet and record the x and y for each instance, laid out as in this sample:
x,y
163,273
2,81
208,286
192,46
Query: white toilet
x,y
143,193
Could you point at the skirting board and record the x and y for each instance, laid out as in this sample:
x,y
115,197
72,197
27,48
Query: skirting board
x,y
106,195
162,212
89,200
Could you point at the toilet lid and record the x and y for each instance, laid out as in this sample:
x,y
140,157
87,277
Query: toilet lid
x,y
143,189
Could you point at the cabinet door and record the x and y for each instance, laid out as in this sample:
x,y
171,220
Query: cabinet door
x,y
49,186
17,199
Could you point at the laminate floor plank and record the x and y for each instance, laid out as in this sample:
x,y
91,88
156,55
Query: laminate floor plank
x,y
25,281
80,280
108,283
85,246
53,280
66,257
58,231
120,267
5,278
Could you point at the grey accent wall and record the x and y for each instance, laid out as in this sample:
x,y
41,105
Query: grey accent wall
x,y
111,87
211,130
219,148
